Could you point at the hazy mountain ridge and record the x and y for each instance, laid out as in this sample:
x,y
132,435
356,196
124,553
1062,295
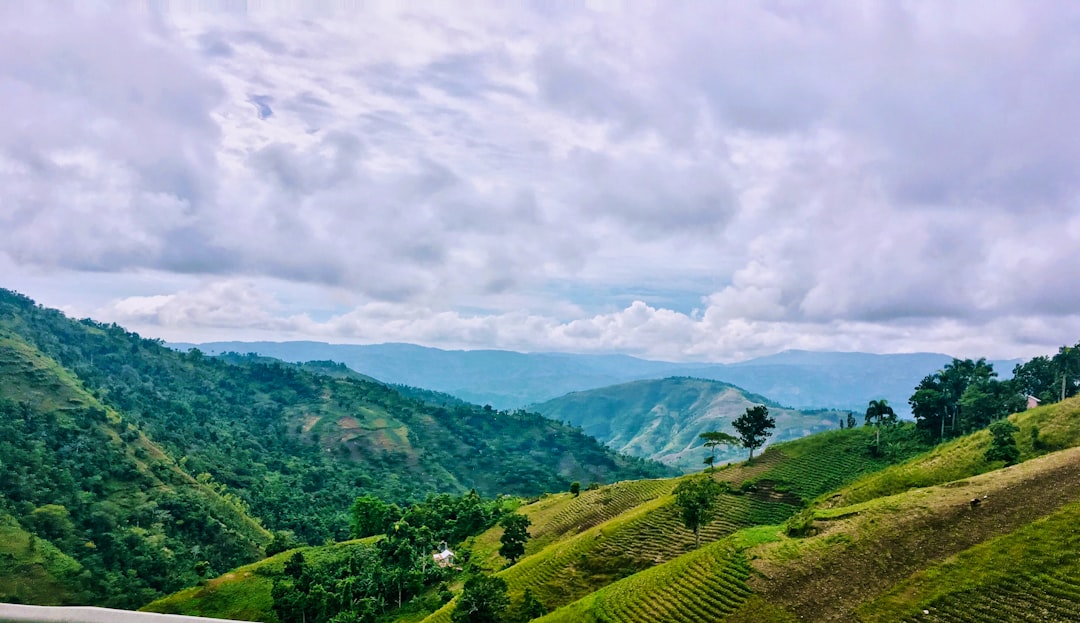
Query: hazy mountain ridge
x,y
662,419
506,379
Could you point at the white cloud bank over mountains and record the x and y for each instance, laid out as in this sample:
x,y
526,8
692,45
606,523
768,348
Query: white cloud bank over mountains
x,y
692,181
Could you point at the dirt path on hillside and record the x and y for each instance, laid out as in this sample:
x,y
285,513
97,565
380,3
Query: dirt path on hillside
x,y
886,546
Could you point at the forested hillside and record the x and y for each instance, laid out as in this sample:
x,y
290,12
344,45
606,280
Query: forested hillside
x,y
151,467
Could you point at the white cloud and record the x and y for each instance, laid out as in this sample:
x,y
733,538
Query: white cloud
x,y
883,176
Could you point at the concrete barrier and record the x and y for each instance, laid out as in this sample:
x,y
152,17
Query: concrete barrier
x,y
11,613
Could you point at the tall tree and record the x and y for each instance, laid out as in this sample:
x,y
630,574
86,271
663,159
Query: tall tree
x,y
369,516
515,535
696,498
879,413
936,401
714,439
753,428
483,600
1003,443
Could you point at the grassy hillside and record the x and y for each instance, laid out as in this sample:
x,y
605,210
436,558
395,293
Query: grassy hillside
x,y
926,553
583,544
661,419
610,535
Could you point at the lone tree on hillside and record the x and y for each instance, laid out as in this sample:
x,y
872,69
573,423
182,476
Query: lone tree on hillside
x,y
753,428
712,440
483,600
1003,444
879,412
696,499
515,534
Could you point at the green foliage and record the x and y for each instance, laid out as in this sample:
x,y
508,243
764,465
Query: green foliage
x,y
713,439
369,516
753,427
515,535
162,458
1003,443
801,524
483,600
1050,379
696,498
963,397
525,610
575,488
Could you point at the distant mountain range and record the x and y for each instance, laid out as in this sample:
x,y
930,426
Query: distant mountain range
x,y
661,419
506,379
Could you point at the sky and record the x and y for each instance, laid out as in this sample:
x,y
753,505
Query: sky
x,y
690,181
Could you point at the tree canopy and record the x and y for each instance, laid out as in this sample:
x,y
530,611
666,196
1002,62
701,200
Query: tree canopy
x,y
696,498
753,428
515,535
713,439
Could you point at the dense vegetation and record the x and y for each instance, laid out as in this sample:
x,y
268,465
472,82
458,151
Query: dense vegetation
x,y
147,466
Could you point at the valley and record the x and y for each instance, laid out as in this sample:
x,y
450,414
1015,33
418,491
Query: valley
x,y
243,487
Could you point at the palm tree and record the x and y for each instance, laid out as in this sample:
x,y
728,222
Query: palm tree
x,y
879,412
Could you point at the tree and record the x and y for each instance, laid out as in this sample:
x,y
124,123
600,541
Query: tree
x,y
696,498
404,556
369,516
1003,443
753,427
515,535
714,439
986,401
879,412
483,600
936,401
575,488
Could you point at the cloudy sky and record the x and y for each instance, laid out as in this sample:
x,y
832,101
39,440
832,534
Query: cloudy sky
x,y
687,181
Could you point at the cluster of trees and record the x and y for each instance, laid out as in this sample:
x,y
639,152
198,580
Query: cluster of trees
x,y
137,531
450,518
966,395
399,567
962,397
753,426
1050,378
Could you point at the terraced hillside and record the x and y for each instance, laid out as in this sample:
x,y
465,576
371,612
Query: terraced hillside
x,y
569,559
880,546
924,554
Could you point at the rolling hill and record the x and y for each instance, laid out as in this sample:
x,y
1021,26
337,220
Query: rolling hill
x,y
151,468
817,529
661,419
509,380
